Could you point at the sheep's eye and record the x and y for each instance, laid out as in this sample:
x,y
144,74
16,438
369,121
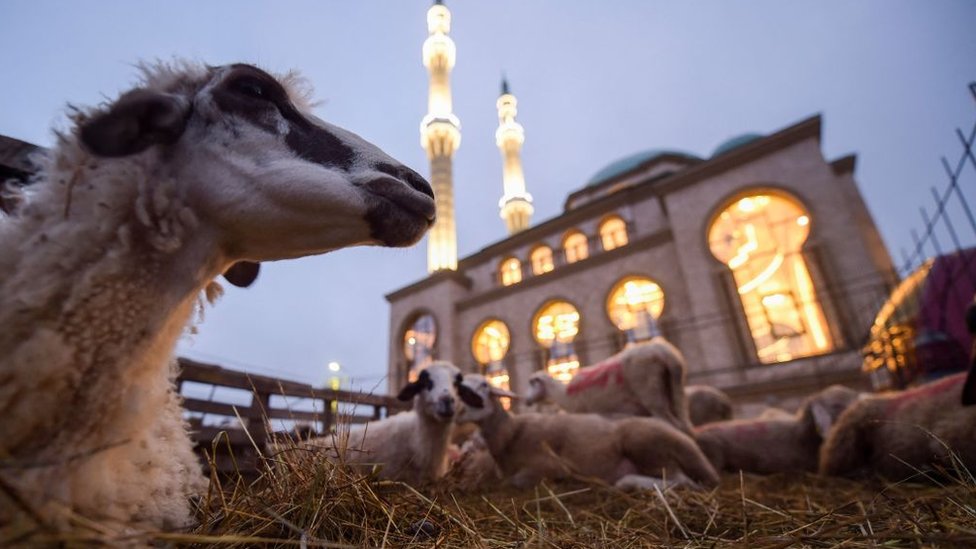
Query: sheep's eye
x,y
251,88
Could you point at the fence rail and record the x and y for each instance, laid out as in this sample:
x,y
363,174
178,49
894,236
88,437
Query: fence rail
x,y
231,433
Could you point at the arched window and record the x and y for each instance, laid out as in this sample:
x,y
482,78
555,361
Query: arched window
x,y
634,305
555,327
541,258
760,237
613,233
489,347
576,247
418,344
511,271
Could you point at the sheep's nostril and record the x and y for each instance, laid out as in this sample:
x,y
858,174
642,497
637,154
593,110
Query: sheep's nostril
x,y
417,182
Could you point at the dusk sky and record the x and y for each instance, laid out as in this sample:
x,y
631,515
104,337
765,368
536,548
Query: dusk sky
x,y
595,81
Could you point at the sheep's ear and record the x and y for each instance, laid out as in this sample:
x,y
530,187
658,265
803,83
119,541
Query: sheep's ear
x,y
470,397
243,273
822,420
411,390
138,120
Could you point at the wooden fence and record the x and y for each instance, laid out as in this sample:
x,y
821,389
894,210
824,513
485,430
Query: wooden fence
x,y
232,432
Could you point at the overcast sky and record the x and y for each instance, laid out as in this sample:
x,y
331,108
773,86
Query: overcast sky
x,y
595,81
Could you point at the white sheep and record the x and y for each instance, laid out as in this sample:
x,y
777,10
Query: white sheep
x,y
132,214
900,433
625,452
647,379
410,446
777,445
706,404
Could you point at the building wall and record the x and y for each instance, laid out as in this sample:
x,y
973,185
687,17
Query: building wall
x,y
667,232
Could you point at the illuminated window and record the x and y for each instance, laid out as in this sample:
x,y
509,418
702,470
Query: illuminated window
x,y
511,271
613,233
541,260
634,305
576,247
489,346
556,326
418,345
760,237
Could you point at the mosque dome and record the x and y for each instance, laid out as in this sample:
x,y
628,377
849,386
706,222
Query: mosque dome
x,y
630,162
735,143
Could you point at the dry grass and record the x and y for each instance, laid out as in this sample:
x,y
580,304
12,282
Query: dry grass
x,y
309,504
301,502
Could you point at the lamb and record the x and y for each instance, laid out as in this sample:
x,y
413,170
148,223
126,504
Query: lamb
x,y
707,404
647,379
410,446
131,216
531,447
768,446
901,433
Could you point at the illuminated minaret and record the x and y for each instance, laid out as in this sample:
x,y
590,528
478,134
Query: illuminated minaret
x,y
515,204
440,136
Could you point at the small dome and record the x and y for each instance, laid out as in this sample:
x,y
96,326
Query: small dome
x,y
628,163
735,143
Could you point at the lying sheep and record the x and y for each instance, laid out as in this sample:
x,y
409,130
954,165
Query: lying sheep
x,y
898,433
410,446
531,447
139,205
647,379
768,446
706,404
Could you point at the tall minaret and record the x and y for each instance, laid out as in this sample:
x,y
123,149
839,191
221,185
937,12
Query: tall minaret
x,y
440,136
515,204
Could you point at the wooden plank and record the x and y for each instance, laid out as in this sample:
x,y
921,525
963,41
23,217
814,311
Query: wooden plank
x,y
218,408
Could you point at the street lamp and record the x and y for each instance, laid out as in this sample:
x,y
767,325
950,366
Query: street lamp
x,y
334,382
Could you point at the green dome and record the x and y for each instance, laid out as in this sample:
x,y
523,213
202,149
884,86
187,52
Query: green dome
x,y
735,143
628,163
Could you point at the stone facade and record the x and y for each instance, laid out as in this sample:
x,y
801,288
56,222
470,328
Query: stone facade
x,y
668,203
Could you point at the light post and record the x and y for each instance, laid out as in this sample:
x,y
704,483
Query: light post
x,y
334,382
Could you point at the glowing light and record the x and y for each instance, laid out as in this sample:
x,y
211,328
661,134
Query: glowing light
x,y
334,366
542,260
803,221
769,271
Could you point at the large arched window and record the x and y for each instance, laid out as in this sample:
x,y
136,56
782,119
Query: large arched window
x,y
634,305
613,233
555,327
511,271
541,258
576,247
489,347
760,237
418,344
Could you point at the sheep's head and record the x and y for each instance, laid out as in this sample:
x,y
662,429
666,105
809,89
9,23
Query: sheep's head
x,y
822,409
268,177
537,389
480,398
435,392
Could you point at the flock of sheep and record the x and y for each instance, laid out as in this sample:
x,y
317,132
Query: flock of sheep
x,y
202,171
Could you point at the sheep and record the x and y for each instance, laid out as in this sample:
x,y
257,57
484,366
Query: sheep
x,y
410,446
647,379
530,447
768,446
707,404
969,388
130,217
901,433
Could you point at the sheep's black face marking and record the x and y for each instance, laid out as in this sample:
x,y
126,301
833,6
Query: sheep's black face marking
x,y
411,390
470,397
256,96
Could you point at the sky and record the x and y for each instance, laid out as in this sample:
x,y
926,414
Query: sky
x,y
595,81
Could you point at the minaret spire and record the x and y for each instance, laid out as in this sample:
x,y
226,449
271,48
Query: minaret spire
x,y
440,136
516,203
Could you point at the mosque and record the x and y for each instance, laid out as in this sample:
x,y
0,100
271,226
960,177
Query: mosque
x,y
760,262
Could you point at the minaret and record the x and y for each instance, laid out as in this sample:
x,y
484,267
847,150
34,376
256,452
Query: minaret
x,y
515,204
440,136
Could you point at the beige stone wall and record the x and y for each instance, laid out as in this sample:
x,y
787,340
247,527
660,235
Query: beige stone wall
x,y
668,244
